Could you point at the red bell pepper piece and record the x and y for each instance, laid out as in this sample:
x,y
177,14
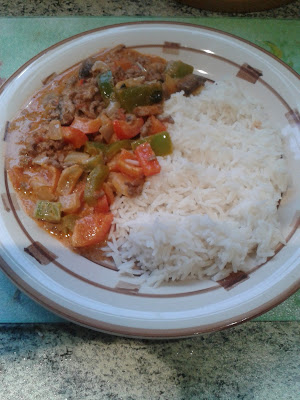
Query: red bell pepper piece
x,y
74,136
155,126
86,125
128,164
127,130
147,159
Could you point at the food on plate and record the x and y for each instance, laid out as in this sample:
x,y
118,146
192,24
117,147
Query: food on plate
x,y
91,134
128,156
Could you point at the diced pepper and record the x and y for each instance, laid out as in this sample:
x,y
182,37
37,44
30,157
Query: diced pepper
x,y
106,129
74,136
113,163
160,143
155,126
86,125
48,211
75,157
70,203
94,148
92,162
147,159
178,69
92,229
106,85
141,95
127,130
68,223
94,182
128,164
68,179
102,205
114,148
109,192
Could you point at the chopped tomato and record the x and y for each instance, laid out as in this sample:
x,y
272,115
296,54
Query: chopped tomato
x,y
86,125
91,229
102,205
128,164
74,136
155,126
147,159
127,130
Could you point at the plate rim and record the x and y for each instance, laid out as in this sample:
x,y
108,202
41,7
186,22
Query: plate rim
x,y
64,312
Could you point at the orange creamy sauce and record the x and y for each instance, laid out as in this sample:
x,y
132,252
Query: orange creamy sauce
x,y
31,125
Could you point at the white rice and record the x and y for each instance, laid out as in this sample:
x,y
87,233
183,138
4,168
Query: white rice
x,y
213,208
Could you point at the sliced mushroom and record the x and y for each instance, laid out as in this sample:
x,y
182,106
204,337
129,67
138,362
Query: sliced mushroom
x,y
190,83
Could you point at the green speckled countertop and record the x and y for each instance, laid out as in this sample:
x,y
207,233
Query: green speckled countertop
x,y
43,358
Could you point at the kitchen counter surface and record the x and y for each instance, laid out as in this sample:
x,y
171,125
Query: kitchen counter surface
x,y
163,8
64,362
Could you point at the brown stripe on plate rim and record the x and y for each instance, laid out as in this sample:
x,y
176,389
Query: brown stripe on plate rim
x,y
293,117
40,253
6,130
5,202
248,73
171,48
233,279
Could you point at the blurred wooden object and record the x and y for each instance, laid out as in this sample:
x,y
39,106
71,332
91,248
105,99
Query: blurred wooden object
x,y
232,6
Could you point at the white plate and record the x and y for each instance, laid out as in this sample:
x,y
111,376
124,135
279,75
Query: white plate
x,y
94,295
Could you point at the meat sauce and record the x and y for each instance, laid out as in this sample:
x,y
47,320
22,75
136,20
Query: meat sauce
x,y
90,134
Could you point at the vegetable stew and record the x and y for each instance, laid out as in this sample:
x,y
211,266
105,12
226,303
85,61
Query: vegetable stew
x,y
90,134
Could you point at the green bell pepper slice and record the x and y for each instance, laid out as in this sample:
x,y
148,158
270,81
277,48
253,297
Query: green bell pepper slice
x,y
68,223
160,143
94,182
107,151
94,148
47,211
114,148
178,69
92,162
141,95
